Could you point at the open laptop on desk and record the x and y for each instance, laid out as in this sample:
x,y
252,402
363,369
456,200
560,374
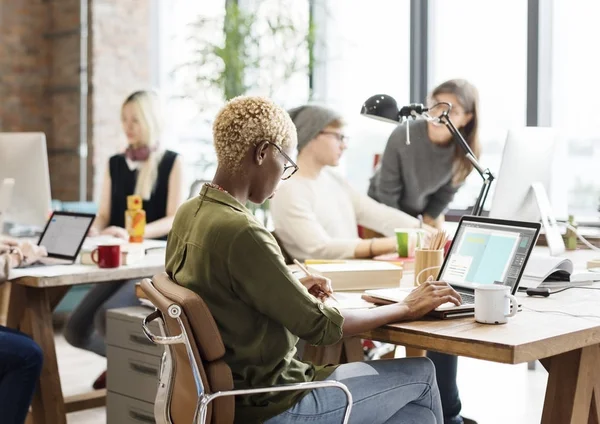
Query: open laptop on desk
x,y
484,251
63,237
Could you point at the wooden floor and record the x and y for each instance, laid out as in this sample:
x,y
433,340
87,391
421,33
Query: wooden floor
x,y
78,370
491,393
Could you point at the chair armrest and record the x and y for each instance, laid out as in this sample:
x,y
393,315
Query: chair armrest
x,y
287,387
159,340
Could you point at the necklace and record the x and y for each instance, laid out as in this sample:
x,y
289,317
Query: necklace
x,y
216,187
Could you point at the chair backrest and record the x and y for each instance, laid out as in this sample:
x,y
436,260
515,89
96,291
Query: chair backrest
x,y
207,349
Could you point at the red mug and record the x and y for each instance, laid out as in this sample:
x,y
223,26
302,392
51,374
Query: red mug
x,y
108,256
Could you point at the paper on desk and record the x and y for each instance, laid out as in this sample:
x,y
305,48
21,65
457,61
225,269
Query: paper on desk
x,y
47,271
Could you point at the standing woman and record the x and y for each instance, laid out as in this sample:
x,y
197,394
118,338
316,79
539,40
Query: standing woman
x,y
422,178
155,175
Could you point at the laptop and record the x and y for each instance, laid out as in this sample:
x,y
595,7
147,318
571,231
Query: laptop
x,y
63,237
483,251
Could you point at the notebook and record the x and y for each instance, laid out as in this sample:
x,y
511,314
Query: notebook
x,y
358,275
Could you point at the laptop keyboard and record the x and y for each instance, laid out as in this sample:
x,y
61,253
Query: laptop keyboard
x,y
467,299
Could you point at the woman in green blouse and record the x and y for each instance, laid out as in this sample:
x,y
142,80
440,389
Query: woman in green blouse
x,y
218,249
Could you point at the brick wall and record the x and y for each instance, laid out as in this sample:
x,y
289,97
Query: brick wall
x,y
40,67
24,65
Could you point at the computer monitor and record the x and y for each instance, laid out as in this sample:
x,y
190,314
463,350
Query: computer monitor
x,y
531,155
23,157
529,185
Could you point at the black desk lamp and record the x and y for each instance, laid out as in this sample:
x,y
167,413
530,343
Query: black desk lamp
x,y
385,108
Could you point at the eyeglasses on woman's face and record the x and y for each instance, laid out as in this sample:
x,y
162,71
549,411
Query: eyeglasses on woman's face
x,y
290,167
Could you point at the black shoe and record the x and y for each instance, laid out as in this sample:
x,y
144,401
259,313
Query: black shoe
x,y
469,421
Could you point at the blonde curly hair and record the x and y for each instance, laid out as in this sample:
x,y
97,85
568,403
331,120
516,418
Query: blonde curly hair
x,y
246,121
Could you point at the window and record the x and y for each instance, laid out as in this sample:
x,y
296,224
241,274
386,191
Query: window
x,y
470,39
574,76
365,50
192,106
188,127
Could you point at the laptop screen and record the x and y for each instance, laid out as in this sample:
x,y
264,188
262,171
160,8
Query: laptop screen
x,y
488,251
65,233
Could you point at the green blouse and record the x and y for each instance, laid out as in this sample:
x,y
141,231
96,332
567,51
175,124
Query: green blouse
x,y
219,250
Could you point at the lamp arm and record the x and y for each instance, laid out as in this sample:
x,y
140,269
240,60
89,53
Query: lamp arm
x,y
485,174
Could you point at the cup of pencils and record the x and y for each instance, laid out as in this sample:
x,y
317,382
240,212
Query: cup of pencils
x,y
429,257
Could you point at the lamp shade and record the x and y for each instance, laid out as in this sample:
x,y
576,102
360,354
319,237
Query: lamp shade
x,y
382,107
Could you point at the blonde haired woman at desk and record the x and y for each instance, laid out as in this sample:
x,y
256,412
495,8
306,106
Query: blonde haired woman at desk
x,y
218,249
20,357
316,214
155,175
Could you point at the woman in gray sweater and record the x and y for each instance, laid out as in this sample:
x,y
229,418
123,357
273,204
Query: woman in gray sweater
x,y
422,178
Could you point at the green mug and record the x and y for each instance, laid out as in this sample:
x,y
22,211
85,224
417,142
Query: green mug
x,y
407,239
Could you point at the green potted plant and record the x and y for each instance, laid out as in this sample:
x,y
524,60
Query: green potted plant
x,y
254,49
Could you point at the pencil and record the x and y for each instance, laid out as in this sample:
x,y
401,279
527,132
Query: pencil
x,y
308,273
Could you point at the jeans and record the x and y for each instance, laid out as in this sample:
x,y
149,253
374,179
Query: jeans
x,y
20,367
386,391
86,328
446,369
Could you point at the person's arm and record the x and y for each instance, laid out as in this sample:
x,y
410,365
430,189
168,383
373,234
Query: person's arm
x,y
299,229
439,201
103,215
175,197
261,279
422,300
388,185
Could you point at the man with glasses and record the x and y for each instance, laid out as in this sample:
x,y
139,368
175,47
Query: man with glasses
x,y
316,214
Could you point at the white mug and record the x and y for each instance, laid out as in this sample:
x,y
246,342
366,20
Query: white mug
x,y
493,304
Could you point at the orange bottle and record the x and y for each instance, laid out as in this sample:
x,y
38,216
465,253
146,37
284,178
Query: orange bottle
x,y
135,219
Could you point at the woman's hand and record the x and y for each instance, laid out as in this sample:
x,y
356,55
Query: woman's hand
x,y
115,232
318,286
429,296
30,253
93,232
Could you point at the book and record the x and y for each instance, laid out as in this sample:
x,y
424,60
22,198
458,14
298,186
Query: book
x,y
408,264
358,275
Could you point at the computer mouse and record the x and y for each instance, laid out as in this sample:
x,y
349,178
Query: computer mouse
x,y
538,291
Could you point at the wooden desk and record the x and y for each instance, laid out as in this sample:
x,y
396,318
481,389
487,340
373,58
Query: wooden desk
x,y
35,292
567,346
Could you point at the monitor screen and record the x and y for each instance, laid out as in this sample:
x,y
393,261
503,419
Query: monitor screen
x,y
487,253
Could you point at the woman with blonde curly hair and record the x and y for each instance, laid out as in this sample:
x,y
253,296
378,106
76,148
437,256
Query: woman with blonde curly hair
x,y
219,250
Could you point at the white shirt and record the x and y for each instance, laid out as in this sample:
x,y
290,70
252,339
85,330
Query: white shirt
x,y
319,218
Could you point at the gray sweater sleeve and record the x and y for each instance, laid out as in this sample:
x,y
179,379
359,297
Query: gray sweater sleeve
x,y
440,200
388,187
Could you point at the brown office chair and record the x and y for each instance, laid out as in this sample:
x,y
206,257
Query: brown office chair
x,y
196,385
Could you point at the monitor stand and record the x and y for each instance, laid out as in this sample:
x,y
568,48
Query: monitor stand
x,y
553,234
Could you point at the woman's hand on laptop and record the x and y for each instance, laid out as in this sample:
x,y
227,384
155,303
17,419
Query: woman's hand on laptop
x,y
115,232
31,253
429,296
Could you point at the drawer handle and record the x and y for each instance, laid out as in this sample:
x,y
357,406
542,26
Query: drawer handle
x,y
136,338
141,417
144,369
